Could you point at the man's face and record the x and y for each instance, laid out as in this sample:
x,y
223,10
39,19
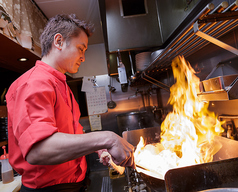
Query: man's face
x,y
73,53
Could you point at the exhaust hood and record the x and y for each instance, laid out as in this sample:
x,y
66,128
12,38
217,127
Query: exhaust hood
x,y
186,41
222,83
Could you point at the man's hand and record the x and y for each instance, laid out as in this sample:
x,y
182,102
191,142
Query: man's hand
x,y
122,152
103,159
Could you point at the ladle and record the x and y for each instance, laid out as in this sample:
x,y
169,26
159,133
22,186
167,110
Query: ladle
x,y
111,104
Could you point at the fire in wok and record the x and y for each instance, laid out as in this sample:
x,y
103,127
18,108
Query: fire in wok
x,y
187,133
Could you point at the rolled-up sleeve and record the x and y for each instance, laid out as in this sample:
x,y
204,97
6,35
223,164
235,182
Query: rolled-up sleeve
x,y
33,119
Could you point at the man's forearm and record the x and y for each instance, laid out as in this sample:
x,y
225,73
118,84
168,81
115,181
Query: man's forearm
x,y
61,147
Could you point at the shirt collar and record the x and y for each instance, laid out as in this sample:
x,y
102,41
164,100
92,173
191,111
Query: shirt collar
x,y
51,70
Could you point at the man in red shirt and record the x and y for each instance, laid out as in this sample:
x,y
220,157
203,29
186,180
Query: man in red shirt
x,y
46,142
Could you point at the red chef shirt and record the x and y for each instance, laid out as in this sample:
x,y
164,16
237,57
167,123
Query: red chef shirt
x,y
39,104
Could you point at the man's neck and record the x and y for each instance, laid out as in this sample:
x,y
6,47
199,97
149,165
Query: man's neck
x,y
51,61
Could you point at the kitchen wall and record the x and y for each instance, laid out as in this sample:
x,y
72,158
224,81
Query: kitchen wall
x,y
95,62
130,101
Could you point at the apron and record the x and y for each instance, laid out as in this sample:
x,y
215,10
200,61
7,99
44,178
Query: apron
x,y
64,187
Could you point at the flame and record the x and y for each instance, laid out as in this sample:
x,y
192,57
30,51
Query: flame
x,y
187,133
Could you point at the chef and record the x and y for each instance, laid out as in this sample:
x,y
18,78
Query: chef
x,y
46,142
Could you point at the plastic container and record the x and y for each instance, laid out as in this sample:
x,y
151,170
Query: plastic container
x,y
6,170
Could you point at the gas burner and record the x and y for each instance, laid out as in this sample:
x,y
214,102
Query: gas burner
x,y
134,182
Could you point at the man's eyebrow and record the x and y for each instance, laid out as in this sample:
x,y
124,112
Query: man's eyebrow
x,y
84,46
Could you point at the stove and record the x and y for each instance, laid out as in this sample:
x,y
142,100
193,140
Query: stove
x,y
221,173
135,182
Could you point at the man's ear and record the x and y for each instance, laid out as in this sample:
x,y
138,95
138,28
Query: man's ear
x,y
58,41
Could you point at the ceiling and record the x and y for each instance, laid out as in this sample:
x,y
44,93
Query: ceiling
x,y
87,10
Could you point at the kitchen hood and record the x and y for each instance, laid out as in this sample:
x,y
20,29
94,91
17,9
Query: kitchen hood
x,y
187,41
221,84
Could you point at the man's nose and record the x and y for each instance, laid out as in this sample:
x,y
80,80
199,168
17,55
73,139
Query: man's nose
x,y
82,58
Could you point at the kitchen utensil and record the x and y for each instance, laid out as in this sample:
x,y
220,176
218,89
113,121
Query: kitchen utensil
x,y
203,176
111,104
221,190
221,173
158,185
118,168
133,75
141,167
150,135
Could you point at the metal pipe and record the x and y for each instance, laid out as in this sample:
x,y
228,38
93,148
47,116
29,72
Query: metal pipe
x,y
155,84
214,40
220,7
201,43
198,41
132,68
232,7
158,83
220,33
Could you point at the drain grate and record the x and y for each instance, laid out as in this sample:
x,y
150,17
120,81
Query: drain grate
x,y
106,184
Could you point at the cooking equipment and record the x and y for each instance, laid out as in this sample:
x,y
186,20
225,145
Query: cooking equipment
x,y
203,176
134,120
151,135
157,185
111,104
221,190
132,77
221,83
135,182
220,173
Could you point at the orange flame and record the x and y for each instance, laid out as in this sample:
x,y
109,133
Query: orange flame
x,y
187,133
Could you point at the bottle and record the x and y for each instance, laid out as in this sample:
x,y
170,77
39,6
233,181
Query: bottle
x,y
6,170
122,73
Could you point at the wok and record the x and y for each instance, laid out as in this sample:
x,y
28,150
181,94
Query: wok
x,y
158,185
220,173
150,135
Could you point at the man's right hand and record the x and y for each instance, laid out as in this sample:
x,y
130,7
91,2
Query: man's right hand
x,y
122,152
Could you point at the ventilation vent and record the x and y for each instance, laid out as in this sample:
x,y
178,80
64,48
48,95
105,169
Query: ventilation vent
x,y
131,8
